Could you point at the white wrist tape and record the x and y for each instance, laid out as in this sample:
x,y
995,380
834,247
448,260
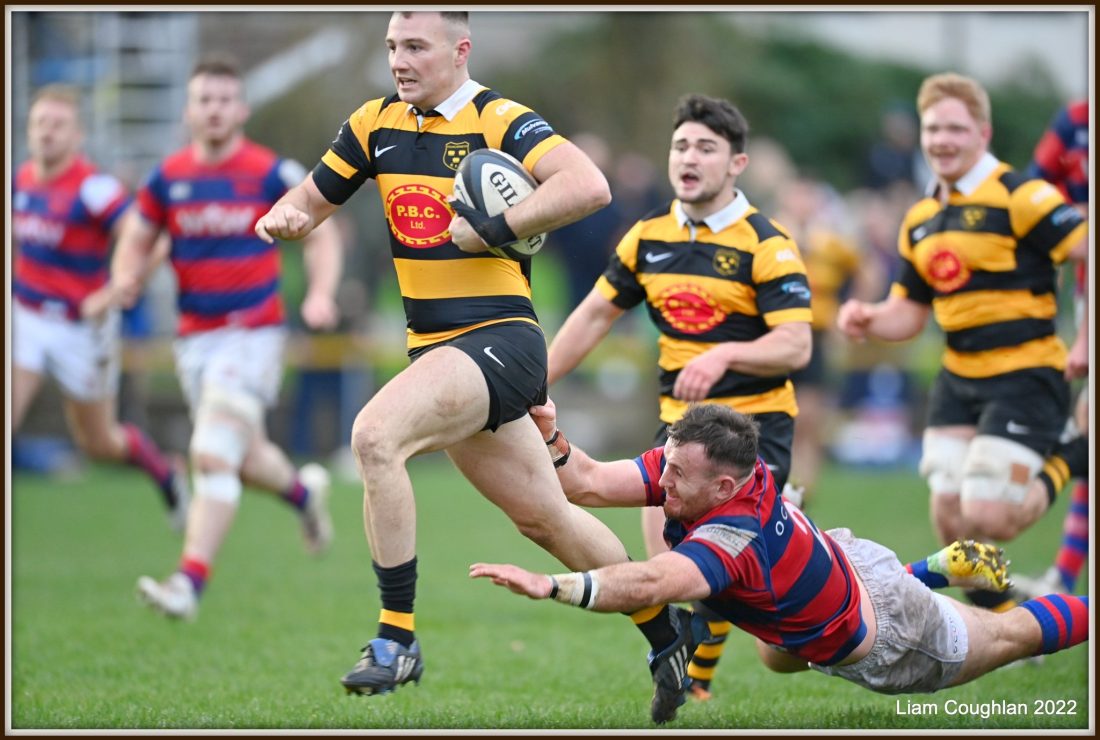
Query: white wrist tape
x,y
578,589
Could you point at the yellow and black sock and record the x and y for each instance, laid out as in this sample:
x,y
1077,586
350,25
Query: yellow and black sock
x,y
1068,460
705,661
398,589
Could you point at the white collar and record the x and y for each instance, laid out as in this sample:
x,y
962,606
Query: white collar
x,y
969,182
458,100
721,219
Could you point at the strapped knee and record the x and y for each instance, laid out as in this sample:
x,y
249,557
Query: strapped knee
x,y
223,486
226,422
999,469
941,462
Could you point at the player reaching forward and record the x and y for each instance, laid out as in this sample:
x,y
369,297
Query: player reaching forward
x,y
813,599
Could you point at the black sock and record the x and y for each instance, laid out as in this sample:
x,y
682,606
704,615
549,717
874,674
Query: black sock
x,y
992,600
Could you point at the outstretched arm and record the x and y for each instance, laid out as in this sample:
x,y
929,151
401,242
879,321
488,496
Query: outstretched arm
x,y
588,482
623,587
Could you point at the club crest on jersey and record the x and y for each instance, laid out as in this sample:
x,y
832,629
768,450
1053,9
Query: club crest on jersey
x,y
726,261
419,216
689,309
946,270
454,152
972,217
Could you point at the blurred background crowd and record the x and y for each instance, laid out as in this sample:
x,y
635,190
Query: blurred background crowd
x,y
833,144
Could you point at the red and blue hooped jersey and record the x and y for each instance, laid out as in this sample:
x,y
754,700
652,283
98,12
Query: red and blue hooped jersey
x,y
771,571
62,233
1062,154
227,275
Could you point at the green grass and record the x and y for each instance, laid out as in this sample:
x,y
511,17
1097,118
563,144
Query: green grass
x,y
277,628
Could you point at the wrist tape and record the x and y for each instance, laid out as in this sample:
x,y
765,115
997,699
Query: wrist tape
x,y
559,448
578,589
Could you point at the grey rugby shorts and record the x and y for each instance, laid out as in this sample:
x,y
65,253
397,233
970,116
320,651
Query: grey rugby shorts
x,y
921,642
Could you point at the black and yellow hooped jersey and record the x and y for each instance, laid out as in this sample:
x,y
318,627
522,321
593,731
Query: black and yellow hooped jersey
x,y
986,263
703,288
446,292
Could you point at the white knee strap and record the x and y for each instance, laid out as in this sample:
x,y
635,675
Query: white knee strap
x,y
226,422
222,486
999,469
941,462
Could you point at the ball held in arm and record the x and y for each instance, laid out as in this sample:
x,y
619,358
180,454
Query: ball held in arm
x,y
487,183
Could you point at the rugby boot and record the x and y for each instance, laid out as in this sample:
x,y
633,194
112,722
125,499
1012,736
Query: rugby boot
x,y
385,665
317,528
669,667
175,597
972,565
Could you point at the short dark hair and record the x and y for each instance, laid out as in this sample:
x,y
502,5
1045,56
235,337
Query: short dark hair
x,y
459,18
456,16
218,63
720,116
730,439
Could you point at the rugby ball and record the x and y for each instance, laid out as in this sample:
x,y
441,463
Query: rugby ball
x,y
491,181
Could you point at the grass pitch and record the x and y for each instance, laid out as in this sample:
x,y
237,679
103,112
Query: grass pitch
x,y
277,629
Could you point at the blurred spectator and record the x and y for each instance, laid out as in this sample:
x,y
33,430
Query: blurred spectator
x,y
771,170
812,213
877,390
895,158
636,187
583,246
333,378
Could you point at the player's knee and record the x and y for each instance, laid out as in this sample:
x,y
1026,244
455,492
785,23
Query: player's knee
x,y
988,520
941,463
371,442
999,472
223,486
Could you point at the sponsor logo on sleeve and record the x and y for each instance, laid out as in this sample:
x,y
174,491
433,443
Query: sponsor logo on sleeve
x,y
732,540
537,126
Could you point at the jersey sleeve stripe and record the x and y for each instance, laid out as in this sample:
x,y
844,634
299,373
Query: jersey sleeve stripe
x,y
337,165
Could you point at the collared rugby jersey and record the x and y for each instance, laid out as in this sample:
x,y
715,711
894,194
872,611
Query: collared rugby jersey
x,y
986,263
771,571
413,157
62,233
732,278
227,275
